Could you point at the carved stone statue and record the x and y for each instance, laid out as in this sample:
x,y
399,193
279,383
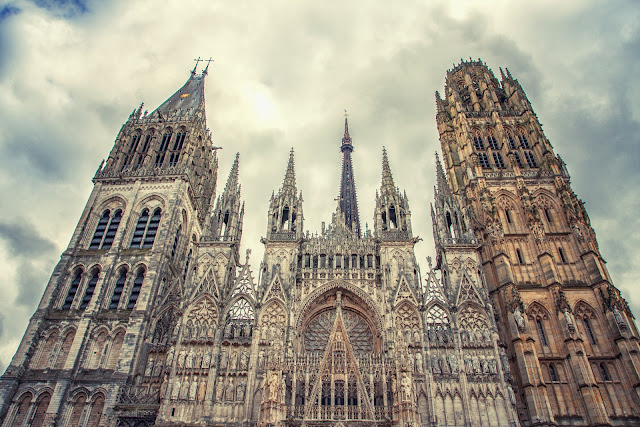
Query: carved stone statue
x,y
193,390
406,387
175,390
202,389
198,361
453,363
184,390
223,360
512,395
189,360
476,365
435,365
164,387
229,391
240,391
493,366
149,370
568,317
517,316
274,380
206,360
261,359
233,361
619,319
181,356
219,390
419,367
244,361
170,356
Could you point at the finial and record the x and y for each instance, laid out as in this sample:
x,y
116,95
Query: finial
x,y
193,72
208,61
290,174
346,124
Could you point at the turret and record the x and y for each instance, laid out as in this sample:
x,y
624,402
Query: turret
x,y
392,217
226,222
348,199
285,208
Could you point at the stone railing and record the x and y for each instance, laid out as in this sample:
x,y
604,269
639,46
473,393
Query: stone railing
x,y
283,236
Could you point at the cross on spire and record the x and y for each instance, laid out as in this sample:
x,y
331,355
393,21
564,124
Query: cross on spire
x,y
208,61
194,68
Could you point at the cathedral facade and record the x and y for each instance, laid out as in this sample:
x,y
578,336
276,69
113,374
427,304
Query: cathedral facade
x,y
154,317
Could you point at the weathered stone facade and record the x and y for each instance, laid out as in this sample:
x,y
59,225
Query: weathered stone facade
x,y
153,318
570,337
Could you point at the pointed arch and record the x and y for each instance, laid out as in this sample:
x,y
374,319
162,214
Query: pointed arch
x,y
408,322
46,348
239,318
95,412
541,320
65,347
200,320
78,402
116,346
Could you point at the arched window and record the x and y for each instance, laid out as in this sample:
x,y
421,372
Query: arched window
x,y
133,146
531,161
176,240
512,142
22,409
91,287
518,159
240,319
563,258
524,142
497,158
143,152
152,229
118,289
100,229
177,148
491,139
164,144
45,350
520,257
135,289
112,230
604,372
587,327
507,214
484,160
477,140
97,406
393,221
63,353
76,410
73,289
552,373
186,265
41,410
146,229
141,227
541,333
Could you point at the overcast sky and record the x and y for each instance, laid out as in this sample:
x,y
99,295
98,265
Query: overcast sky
x,y
71,72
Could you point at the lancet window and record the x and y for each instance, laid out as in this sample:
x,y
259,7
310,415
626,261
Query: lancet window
x,y
164,144
177,148
477,140
108,223
484,160
135,289
91,287
73,289
531,160
143,152
118,289
146,229
133,146
497,158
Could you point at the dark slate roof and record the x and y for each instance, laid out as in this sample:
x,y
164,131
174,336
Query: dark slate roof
x,y
190,96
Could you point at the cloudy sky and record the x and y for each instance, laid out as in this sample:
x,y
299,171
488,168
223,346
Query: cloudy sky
x,y
71,71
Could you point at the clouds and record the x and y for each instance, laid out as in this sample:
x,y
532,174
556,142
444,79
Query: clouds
x,y
72,71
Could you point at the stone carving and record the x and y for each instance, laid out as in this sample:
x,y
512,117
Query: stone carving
x,y
181,357
149,370
175,390
519,318
193,390
184,390
229,390
170,356
406,387
419,367
188,364
202,389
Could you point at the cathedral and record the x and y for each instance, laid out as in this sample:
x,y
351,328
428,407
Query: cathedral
x,y
154,317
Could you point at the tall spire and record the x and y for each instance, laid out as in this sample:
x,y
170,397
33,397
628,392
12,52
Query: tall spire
x,y
441,179
387,179
348,199
290,174
232,181
189,98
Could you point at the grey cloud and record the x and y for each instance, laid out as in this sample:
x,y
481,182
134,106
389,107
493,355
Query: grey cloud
x,y
23,240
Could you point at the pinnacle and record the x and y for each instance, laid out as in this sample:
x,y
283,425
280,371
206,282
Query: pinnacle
x,y
290,174
387,178
441,179
232,181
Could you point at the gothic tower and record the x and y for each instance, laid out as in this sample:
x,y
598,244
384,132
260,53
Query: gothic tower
x,y
102,334
570,338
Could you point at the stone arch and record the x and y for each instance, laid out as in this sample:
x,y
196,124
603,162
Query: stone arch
x,y
47,343
42,403
95,408
151,201
537,310
115,201
68,335
22,405
317,320
115,346
408,322
77,402
583,309
337,284
164,324
200,319
541,323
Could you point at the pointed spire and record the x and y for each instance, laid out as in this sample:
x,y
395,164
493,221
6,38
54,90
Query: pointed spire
x,y
387,178
441,179
190,97
232,181
290,174
348,200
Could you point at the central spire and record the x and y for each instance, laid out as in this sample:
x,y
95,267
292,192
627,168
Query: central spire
x,y
348,198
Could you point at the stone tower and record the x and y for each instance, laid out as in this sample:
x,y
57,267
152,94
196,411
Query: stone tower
x,y
569,336
101,337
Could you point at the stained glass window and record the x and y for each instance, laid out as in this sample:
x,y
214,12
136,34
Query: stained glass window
x,y
316,336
